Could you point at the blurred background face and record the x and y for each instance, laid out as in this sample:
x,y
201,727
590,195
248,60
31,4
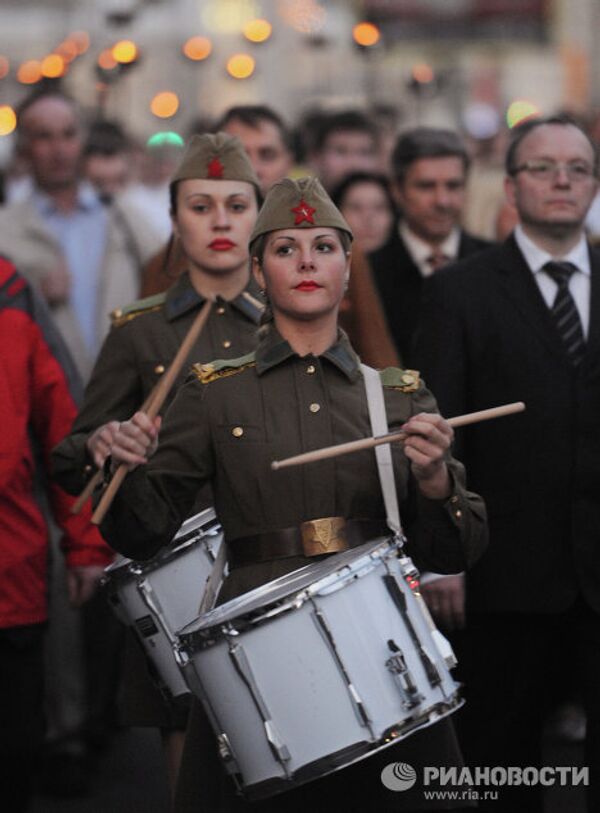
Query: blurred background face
x,y
266,150
343,152
432,196
213,221
109,174
367,209
52,142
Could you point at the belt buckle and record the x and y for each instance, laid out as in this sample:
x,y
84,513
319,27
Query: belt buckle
x,y
327,535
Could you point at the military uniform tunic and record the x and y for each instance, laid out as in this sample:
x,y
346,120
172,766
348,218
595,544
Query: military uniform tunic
x,y
226,425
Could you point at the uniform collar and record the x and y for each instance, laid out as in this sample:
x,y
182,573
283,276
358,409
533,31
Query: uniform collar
x,y
273,349
183,297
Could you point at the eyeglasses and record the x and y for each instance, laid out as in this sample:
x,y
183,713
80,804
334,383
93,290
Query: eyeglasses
x,y
546,170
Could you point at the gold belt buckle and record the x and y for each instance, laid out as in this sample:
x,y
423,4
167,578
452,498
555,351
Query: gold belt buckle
x,y
327,535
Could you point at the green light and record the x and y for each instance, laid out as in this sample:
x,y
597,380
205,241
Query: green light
x,y
168,137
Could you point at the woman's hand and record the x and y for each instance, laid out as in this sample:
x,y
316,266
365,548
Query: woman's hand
x,y
428,438
100,442
135,441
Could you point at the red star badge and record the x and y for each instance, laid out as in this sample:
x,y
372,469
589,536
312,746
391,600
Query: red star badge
x,y
303,213
215,168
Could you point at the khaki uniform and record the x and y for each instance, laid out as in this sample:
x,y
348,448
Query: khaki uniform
x,y
225,427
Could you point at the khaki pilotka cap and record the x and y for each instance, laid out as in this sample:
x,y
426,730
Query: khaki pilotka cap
x,y
215,156
298,204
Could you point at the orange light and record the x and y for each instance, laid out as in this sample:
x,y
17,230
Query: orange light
x,y
366,34
29,72
53,66
257,30
81,41
240,66
68,50
125,52
106,60
4,66
8,120
164,105
423,73
197,48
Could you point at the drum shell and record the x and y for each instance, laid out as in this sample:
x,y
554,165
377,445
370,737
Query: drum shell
x,y
306,690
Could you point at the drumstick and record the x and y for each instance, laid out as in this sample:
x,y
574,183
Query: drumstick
x,y
162,390
97,478
369,443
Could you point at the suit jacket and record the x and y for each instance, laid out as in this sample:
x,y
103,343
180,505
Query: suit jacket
x,y
400,285
486,337
35,251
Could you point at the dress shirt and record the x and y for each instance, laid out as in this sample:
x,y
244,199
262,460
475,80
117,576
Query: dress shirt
x,y
420,251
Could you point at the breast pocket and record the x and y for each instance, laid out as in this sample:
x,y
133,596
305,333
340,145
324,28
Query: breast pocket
x,y
243,464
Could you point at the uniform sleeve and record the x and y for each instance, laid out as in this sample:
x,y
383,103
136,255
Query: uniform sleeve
x,y
53,409
114,393
446,536
155,499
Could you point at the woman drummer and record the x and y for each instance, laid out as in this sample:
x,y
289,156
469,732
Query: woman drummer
x,y
214,204
301,389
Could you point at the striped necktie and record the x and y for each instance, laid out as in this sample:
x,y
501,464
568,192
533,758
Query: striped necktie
x,y
564,311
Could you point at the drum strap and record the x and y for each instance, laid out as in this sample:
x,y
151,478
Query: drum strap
x,y
383,453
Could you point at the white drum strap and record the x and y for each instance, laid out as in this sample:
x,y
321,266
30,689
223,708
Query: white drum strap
x,y
383,453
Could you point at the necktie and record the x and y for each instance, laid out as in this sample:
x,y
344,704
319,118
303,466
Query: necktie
x,y
437,260
564,311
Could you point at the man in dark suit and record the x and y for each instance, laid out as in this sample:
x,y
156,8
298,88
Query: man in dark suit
x,y
521,321
429,168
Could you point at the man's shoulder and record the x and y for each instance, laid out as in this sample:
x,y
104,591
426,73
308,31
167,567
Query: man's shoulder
x,y
223,368
140,307
471,244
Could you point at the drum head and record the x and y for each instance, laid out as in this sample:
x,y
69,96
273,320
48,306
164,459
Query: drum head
x,y
289,589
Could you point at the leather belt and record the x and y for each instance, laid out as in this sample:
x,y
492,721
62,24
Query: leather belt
x,y
312,538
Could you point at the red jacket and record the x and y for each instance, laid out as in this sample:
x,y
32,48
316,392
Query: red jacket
x,y
36,407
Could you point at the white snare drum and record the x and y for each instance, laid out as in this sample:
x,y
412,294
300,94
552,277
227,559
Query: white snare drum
x,y
159,596
319,668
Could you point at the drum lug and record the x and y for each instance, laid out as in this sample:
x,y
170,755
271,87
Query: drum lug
x,y
397,666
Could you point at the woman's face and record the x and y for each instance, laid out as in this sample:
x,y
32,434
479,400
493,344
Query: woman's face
x,y
213,222
366,208
304,272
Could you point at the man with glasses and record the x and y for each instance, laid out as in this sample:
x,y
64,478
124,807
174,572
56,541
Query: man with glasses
x,y
521,321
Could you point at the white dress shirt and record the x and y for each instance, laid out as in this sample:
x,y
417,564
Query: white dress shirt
x,y
420,251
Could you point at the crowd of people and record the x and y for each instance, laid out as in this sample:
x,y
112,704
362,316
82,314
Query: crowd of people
x,y
387,234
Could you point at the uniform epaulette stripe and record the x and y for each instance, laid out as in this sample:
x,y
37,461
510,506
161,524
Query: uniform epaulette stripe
x,y
403,380
119,318
205,373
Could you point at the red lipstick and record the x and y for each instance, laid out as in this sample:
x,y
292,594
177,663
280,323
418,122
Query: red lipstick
x,y
221,244
308,285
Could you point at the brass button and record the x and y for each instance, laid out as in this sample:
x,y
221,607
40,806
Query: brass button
x,y
311,369
408,378
458,514
159,369
315,407
87,469
237,431
221,310
454,499
226,343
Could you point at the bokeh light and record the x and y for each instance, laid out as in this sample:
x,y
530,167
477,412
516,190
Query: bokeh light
x,y
165,104
8,120
68,50
29,72
197,48
125,52
228,16
422,73
81,40
306,16
241,66
53,66
520,110
4,66
366,34
167,137
257,30
106,60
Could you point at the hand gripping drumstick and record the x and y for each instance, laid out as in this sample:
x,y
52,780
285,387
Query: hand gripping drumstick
x,y
162,390
369,443
97,478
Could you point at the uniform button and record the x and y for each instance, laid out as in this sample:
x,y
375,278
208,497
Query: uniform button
x,y
454,499
458,514
315,407
159,369
237,431
311,369
226,343
87,469
220,310
118,313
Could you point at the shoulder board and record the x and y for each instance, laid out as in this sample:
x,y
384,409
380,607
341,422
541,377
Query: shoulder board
x,y
150,303
221,368
403,380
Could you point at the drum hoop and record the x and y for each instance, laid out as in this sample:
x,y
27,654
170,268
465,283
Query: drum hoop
x,y
205,638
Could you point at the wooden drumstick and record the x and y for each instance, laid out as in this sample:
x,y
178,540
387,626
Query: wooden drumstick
x,y
162,390
369,443
95,481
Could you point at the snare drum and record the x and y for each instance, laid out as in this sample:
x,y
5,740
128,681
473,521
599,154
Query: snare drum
x,y
319,669
158,597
